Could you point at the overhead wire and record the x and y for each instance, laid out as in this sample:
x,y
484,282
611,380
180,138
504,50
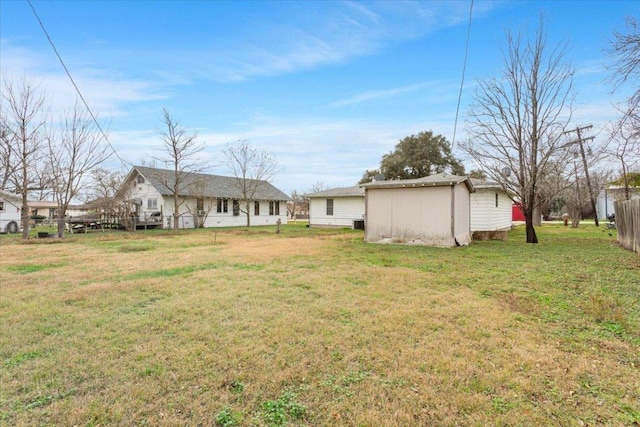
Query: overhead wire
x,y
464,69
93,117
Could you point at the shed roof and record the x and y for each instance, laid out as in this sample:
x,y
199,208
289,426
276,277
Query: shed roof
x,y
436,180
200,184
354,191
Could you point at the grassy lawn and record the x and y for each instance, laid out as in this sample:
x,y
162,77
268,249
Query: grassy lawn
x,y
314,327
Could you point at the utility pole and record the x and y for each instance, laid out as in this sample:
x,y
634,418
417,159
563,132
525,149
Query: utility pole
x,y
580,141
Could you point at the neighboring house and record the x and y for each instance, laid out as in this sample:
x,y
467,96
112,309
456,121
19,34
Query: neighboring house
x,y
207,200
47,209
610,195
491,211
9,212
434,210
338,207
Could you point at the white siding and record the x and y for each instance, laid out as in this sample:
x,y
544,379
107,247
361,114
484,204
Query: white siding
x,y
485,216
345,211
9,213
227,219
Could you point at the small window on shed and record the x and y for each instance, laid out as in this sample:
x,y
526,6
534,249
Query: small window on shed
x,y
1,206
496,200
329,207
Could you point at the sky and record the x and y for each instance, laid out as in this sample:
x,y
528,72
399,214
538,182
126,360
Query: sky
x,y
328,87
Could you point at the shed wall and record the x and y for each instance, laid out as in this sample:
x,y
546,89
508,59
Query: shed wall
x,y
409,215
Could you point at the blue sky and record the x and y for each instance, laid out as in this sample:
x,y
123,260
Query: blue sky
x,y
327,86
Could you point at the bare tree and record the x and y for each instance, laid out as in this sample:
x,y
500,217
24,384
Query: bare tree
x,y
297,204
625,148
182,156
23,128
624,143
103,193
317,187
517,120
625,52
73,154
251,166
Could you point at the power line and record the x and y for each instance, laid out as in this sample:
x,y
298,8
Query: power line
x,y
464,69
95,120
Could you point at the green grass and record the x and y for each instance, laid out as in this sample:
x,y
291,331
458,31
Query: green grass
x,y
236,327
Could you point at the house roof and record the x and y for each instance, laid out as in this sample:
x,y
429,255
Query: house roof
x,y
483,183
10,196
436,180
200,184
354,191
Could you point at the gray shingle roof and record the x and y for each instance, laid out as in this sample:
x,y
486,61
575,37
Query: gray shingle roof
x,y
200,184
340,192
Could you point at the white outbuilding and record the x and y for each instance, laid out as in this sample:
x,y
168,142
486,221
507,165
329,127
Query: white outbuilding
x,y
337,207
434,211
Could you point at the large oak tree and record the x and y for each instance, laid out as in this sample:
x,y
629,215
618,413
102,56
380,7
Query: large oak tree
x,y
417,156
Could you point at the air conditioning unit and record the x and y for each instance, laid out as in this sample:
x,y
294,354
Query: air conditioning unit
x,y
200,213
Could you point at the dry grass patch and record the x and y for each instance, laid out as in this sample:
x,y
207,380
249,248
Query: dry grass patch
x,y
317,328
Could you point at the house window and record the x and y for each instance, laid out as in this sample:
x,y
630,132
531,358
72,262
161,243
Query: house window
x,y
256,208
329,207
236,208
274,208
200,206
496,200
152,204
1,206
223,206
140,179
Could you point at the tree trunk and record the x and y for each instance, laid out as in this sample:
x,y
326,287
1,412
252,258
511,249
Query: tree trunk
x,y
537,215
24,217
61,215
531,232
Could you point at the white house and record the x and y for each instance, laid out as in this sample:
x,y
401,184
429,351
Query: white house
x,y
611,194
206,200
337,207
9,212
491,211
434,210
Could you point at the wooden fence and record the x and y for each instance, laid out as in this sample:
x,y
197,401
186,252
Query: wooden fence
x,y
628,224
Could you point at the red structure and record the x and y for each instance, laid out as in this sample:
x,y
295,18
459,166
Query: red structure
x,y
516,213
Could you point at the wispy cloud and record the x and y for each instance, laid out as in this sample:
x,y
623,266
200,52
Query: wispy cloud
x,y
378,94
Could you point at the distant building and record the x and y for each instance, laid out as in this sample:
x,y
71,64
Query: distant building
x,y
337,207
208,200
10,204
